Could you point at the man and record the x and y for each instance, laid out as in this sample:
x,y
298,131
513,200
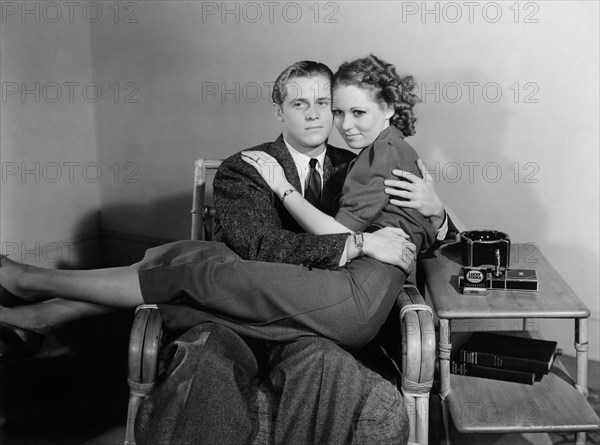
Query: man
x,y
318,392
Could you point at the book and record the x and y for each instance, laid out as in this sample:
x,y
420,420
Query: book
x,y
486,372
508,352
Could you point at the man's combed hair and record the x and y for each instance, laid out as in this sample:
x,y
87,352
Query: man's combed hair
x,y
381,78
304,68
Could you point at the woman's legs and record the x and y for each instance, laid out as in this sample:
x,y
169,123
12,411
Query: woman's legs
x,y
271,301
41,317
116,287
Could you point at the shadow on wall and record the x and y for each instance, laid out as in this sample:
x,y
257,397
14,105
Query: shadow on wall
x,y
85,250
127,230
81,251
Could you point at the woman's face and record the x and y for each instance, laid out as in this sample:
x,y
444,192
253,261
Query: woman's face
x,y
357,116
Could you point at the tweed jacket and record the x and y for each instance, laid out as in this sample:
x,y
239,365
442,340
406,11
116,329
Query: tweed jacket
x,y
253,222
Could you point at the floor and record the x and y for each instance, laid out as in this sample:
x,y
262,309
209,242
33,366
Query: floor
x,y
71,392
94,413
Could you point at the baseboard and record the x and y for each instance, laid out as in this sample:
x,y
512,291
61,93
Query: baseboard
x,y
102,248
570,363
79,252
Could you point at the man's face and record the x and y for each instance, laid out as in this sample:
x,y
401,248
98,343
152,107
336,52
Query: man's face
x,y
306,112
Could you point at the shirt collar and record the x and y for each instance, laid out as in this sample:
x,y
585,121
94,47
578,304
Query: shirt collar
x,y
301,160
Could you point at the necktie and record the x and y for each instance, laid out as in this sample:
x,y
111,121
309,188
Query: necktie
x,y
312,189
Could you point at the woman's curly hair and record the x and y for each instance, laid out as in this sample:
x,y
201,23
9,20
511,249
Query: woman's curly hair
x,y
374,74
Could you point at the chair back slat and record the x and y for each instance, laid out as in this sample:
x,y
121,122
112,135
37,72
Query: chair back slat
x,y
203,211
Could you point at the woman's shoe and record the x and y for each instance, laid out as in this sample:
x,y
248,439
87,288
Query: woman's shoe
x,y
17,342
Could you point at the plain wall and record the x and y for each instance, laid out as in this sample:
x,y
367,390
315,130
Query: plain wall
x,y
508,125
49,194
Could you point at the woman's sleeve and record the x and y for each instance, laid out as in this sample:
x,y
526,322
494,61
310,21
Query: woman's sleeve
x,y
364,202
363,196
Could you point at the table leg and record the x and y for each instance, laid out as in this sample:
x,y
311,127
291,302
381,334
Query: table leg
x,y
581,348
445,347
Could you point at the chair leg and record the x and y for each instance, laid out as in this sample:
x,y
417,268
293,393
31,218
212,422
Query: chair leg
x,y
135,400
410,404
422,420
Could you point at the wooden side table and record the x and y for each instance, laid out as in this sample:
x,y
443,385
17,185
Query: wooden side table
x,y
477,405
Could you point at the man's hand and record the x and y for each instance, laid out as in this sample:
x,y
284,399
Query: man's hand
x,y
270,170
419,194
391,245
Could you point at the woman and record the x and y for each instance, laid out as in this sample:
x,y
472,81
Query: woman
x,y
280,301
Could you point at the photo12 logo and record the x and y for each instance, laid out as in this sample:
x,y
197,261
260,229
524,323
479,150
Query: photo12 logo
x,y
470,12
252,92
68,11
236,92
69,171
53,252
70,91
475,91
490,172
269,12
473,412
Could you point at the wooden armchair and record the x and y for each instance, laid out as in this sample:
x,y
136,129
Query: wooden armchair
x,y
416,334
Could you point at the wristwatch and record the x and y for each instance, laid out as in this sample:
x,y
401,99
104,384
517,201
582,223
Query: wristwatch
x,y
286,193
359,243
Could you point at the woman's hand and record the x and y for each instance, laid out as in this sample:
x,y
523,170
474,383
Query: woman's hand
x,y
270,170
391,245
419,194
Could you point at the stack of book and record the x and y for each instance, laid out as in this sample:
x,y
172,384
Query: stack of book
x,y
504,357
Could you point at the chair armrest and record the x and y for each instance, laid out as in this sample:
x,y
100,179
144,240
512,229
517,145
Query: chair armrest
x,y
144,344
418,342
144,350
